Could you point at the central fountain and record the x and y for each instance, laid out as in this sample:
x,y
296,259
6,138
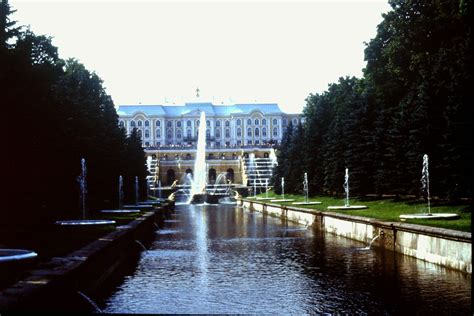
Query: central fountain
x,y
198,185
282,193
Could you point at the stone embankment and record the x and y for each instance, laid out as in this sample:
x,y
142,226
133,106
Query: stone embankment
x,y
68,283
445,247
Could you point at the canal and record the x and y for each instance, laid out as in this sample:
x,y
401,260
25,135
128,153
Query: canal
x,y
223,259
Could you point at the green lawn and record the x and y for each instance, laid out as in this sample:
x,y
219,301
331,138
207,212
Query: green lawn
x,y
389,210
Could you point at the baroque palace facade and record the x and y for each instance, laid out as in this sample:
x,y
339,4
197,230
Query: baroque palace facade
x,y
240,138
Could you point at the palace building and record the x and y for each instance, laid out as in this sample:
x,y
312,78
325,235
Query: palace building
x,y
240,139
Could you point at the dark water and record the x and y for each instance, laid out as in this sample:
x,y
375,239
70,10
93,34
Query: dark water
x,y
209,259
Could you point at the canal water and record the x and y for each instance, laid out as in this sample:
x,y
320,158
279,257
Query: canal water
x,y
222,259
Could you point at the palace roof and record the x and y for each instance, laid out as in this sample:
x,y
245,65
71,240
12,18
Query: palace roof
x,y
193,109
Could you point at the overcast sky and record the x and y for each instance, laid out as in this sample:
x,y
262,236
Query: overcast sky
x,y
234,51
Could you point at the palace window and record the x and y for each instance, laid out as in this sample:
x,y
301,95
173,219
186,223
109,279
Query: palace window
x,y
249,132
218,123
188,123
295,122
169,134
227,133
249,122
257,122
208,123
140,133
178,123
147,134
257,132
158,133
147,123
227,123
189,133
139,123
132,123
208,133
121,124
239,122
197,123
218,133
275,122
179,134
285,122
169,124
249,142
264,122
275,132
239,132
264,132
239,143
158,123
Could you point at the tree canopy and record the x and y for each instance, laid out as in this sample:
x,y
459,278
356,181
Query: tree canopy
x,y
58,112
415,98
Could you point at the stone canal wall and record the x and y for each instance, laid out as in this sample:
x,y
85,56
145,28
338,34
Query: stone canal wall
x,y
67,283
445,247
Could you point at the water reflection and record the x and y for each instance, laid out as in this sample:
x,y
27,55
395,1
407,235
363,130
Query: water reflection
x,y
229,260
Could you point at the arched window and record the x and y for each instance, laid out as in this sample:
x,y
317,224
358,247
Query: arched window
x,y
169,124
147,134
140,133
285,122
158,123
239,132
132,123
212,176
121,124
179,134
275,132
230,175
264,131
295,122
208,123
208,133
158,133
218,123
264,122
139,123
227,123
147,123
227,133
249,132
188,123
249,122
275,122
189,133
169,134
197,122
170,176
178,123
239,122
257,132
218,133
257,122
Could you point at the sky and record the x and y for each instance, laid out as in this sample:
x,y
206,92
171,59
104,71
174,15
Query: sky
x,y
155,52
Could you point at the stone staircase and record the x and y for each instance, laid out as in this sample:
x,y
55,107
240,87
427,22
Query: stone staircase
x,y
258,171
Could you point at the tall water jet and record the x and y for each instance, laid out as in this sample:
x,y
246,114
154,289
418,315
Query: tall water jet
x,y
266,188
306,193
283,187
425,180
120,192
346,200
83,187
346,187
137,194
199,179
425,187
